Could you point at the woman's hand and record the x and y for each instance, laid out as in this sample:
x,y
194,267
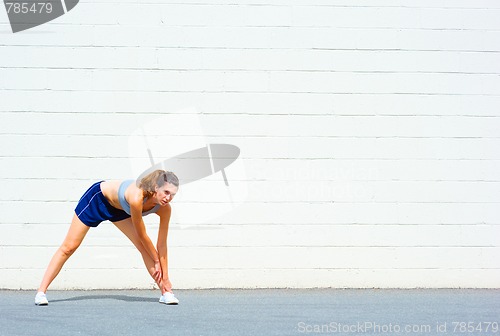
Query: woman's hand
x,y
157,275
167,286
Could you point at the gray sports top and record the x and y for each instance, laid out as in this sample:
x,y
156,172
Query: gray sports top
x,y
123,202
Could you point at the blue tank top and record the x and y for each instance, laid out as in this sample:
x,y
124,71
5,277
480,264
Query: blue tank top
x,y
123,202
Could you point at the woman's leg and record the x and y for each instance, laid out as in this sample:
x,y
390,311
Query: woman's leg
x,y
74,238
128,229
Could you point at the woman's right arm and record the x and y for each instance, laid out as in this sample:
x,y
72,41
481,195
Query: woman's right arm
x,y
136,214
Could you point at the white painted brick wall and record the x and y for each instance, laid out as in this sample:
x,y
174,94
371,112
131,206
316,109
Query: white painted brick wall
x,y
368,133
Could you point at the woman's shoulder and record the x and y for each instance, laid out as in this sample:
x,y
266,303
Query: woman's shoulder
x,y
164,210
133,193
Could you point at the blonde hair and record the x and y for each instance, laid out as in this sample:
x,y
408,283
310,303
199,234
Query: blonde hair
x,y
155,179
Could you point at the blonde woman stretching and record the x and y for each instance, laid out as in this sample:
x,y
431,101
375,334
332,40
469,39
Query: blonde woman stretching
x,y
124,204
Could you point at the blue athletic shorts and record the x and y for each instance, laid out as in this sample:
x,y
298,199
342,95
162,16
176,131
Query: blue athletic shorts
x,y
93,208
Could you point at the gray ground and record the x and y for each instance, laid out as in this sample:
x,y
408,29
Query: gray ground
x,y
253,312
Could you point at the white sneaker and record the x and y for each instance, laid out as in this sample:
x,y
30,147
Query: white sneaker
x,y
169,298
41,299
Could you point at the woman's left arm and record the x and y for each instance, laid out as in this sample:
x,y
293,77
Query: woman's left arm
x,y
161,245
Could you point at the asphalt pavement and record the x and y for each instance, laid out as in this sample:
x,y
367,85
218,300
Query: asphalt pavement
x,y
254,312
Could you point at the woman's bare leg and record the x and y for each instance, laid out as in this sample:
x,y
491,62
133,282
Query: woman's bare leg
x,y
128,229
74,238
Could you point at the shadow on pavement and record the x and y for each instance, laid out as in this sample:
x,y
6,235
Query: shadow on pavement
x,y
112,297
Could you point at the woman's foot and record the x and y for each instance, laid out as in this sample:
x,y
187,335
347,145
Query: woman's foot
x,y
41,299
169,298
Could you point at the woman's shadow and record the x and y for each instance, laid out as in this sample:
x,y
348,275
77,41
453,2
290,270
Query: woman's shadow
x,y
125,298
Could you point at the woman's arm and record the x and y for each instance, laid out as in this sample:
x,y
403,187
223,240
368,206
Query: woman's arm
x,y
136,214
161,245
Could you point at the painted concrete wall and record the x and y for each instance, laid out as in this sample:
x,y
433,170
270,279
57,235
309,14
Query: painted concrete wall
x,y
368,130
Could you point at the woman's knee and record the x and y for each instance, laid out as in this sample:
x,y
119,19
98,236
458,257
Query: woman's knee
x,y
74,238
68,248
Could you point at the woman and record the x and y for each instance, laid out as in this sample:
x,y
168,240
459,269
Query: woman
x,y
124,204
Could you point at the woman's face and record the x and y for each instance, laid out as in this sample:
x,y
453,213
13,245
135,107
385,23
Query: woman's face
x,y
165,193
